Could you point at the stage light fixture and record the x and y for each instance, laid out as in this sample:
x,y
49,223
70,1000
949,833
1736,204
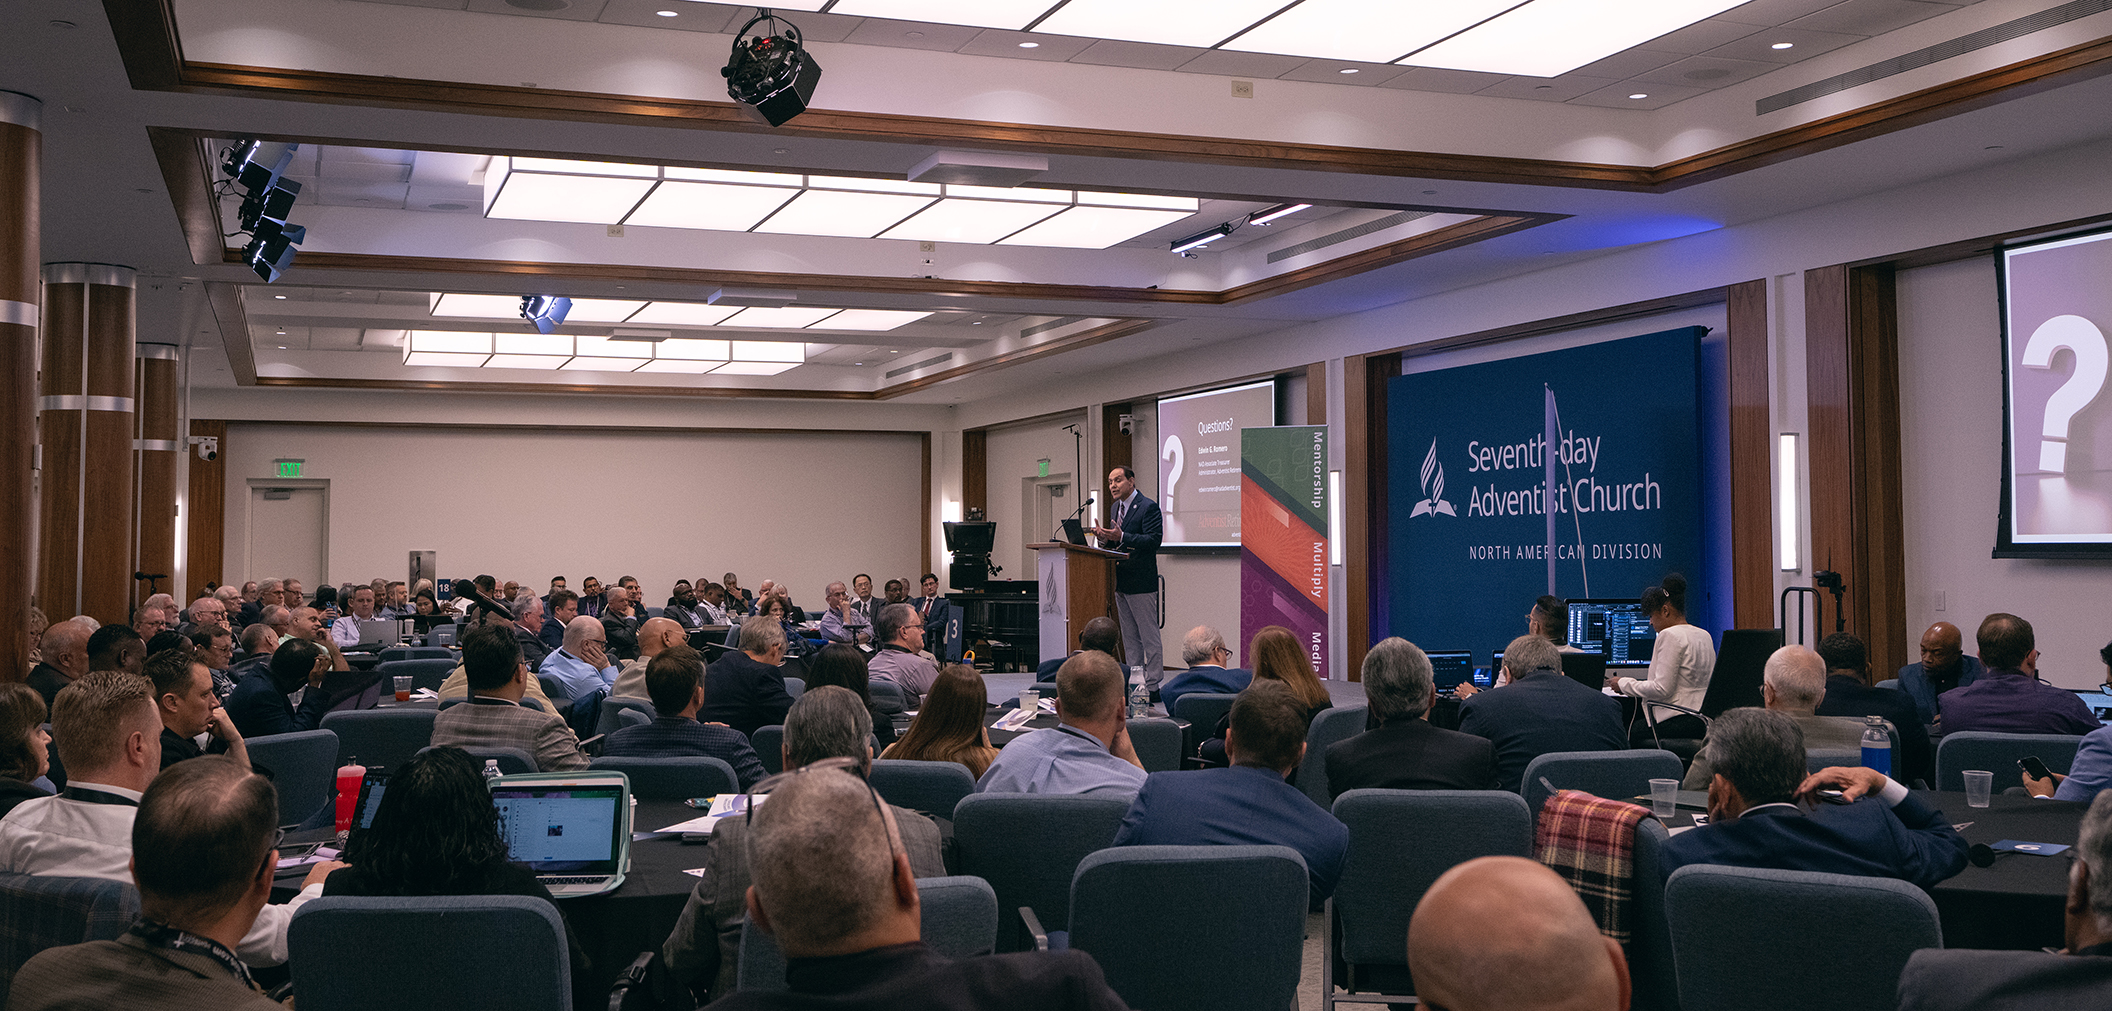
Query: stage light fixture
x,y
1263,217
771,76
1203,238
267,199
547,312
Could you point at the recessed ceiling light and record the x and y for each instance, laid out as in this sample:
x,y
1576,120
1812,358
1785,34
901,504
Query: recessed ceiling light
x,y
1030,45
894,352
282,347
278,296
667,14
282,333
976,323
1347,70
1783,45
1639,95
857,363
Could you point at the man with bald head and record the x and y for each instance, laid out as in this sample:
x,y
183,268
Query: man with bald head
x,y
581,665
1088,753
654,637
206,612
1793,683
1944,665
1101,634
1508,934
64,649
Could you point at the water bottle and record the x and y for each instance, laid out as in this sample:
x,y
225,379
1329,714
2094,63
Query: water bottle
x,y
1139,695
1877,745
491,768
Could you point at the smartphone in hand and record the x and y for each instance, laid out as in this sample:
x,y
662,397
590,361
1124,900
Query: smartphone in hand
x,y
2034,768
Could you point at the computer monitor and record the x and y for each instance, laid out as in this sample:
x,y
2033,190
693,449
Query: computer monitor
x,y
1615,628
1450,668
975,537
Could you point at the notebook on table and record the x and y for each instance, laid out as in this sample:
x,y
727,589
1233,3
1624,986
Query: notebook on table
x,y
572,829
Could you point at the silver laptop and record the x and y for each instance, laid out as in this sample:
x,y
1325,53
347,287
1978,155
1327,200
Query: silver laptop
x,y
573,829
385,633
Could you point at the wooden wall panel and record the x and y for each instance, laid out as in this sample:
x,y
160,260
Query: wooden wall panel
x,y
1752,439
1364,500
205,540
1316,393
21,289
975,471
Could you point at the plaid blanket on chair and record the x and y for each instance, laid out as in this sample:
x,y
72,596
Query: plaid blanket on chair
x,y
1590,841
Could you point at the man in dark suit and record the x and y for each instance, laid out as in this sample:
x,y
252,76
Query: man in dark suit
x,y
1135,526
935,611
1541,711
1247,803
258,704
745,689
64,649
1944,665
1405,752
183,695
1754,819
675,679
1204,652
1098,634
862,599
1849,693
2079,977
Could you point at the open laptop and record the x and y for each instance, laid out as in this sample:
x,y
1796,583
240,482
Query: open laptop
x,y
2099,702
1074,531
381,633
1450,668
573,829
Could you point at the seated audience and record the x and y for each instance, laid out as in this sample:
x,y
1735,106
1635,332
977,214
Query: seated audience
x,y
183,695
1089,752
2010,698
205,842
2091,773
1943,979
493,717
676,680
1850,693
1681,663
395,601
345,631
1508,934
1248,803
738,601
436,832
280,620
580,665
950,726
1792,684
1944,665
427,614
711,606
591,597
168,639
682,606
108,734
1754,820
896,592
745,689
260,706
258,643
844,665
655,635
1203,652
1276,656
827,727
206,612
864,601
214,647
1539,710
1102,633
900,634
25,755
842,622
527,625
562,606
1406,752
151,620
64,652
116,647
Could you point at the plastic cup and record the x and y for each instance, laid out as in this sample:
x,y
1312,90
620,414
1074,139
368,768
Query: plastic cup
x,y
1030,699
1978,784
348,780
403,688
1664,797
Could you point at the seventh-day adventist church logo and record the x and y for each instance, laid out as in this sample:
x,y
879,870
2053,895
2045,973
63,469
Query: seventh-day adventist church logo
x,y
1433,501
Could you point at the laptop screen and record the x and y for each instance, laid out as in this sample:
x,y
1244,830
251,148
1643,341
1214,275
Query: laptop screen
x,y
1451,667
370,791
561,829
2098,701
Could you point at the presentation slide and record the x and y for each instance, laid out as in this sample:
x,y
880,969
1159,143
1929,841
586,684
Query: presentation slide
x,y
1467,485
1199,460
2057,497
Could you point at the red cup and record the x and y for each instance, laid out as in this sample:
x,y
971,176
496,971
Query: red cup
x,y
348,780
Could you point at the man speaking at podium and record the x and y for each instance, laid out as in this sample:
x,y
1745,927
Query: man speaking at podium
x,y
1136,528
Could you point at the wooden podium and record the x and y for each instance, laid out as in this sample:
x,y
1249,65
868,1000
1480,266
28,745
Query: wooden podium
x,y
1077,585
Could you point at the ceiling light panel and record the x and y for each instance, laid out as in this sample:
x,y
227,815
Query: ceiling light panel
x,y
871,319
1548,38
532,344
1166,22
476,306
546,189
527,361
1013,14
689,349
682,314
844,214
586,364
873,185
753,368
440,358
604,347
1369,31
599,310
788,317
1152,201
447,341
673,365
769,351
1093,227
976,221
721,206
703,175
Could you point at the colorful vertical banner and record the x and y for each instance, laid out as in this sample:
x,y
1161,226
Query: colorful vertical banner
x,y
1283,536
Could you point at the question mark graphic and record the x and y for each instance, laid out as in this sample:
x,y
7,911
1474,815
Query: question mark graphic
x,y
2083,338
1172,451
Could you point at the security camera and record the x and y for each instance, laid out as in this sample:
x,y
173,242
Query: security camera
x,y
1126,421
208,447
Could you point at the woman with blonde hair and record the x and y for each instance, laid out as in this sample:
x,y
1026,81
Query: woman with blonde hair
x,y
950,726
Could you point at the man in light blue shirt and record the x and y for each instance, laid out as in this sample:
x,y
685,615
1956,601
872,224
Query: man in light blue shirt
x,y
1089,753
843,622
582,665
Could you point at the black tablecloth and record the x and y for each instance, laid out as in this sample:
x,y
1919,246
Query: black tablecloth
x,y
2017,902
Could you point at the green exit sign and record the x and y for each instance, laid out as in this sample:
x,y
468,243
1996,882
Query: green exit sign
x,y
289,468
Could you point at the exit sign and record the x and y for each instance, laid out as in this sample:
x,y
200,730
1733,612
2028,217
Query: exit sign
x,y
288,468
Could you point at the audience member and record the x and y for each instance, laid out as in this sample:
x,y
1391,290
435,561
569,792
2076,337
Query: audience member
x,y
258,643
1405,751
206,612
1508,934
562,606
327,604
591,597
1880,831
896,592
1101,633
255,598
204,853
214,646
1681,663
844,665
1276,656
1849,693
427,614
655,635
738,601
64,651
1944,665
1203,652
711,606
395,602
556,583
682,606
527,628
1248,803
116,647
745,689
842,622
2091,772
900,634
581,664
260,705
25,755
108,735
1549,619
1792,684
1943,979
168,639
280,620
935,610
1089,752
497,678
675,677
2010,698
863,599
183,695
827,728
151,621
1540,711
291,595
950,726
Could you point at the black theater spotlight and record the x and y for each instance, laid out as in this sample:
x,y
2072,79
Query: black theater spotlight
x,y
1186,246
773,75
267,199
547,312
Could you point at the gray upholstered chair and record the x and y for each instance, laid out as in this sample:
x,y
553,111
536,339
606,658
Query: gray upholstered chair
x,y
1724,921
